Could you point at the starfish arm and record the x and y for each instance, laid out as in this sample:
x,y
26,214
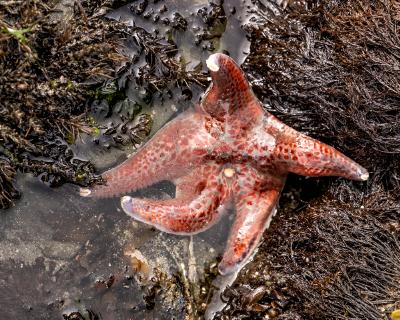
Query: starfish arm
x,y
255,199
303,155
254,212
173,151
199,204
230,98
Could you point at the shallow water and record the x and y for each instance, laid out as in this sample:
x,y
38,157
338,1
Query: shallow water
x,y
59,246
60,253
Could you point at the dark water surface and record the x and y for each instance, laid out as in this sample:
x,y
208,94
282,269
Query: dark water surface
x,y
61,254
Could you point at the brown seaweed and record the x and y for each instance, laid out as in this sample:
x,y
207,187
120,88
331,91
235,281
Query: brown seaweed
x,y
330,69
52,72
47,71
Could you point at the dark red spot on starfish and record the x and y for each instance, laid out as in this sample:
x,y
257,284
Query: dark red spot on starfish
x,y
240,248
200,186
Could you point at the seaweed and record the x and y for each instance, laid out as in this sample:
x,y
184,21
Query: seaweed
x,y
47,70
329,69
163,69
341,261
7,189
52,72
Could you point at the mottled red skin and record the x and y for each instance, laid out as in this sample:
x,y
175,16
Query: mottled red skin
x,y
226,152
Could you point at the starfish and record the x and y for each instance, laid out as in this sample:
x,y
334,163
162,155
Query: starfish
x,y
225,153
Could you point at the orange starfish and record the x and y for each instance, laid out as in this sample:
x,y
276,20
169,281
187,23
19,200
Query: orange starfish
x,y
227,152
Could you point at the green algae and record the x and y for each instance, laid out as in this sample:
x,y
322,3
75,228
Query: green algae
x,y
19,34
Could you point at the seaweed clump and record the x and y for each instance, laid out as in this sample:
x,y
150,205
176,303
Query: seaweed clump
x,y
329,68
55,59
52,56
334,260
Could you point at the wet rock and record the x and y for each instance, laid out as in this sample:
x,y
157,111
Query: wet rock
x,y
139,7
179,22
75,250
